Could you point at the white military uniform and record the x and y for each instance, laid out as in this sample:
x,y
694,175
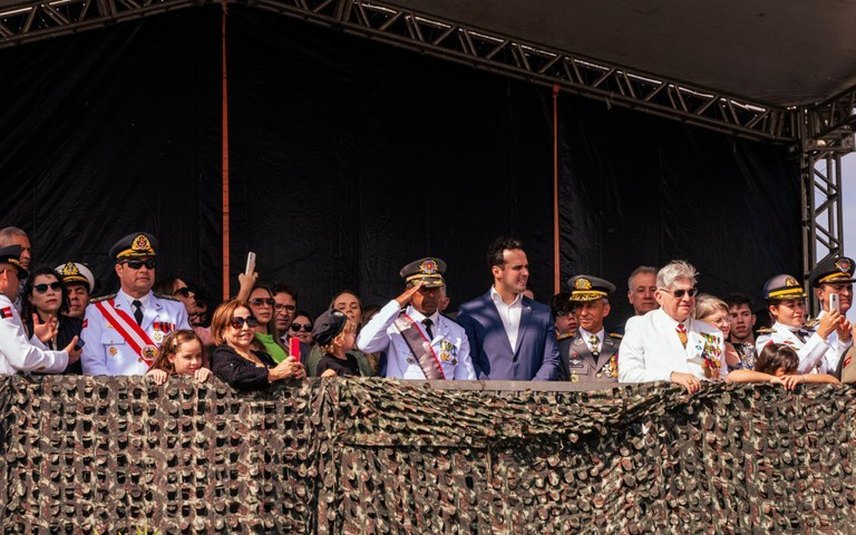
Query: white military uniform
x,y
450,344
815,353
651,349
107,352
20,354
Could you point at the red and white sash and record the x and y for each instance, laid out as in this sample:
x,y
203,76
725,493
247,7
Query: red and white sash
x,y
420,346
128,329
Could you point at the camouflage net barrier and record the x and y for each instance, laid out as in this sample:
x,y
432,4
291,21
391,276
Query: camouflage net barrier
x,y
85,455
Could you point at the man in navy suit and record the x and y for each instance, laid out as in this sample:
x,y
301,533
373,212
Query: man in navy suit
x,y
511,337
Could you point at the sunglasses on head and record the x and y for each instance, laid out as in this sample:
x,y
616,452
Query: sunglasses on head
x,y
150,263
297,327
183,292
680,293
258,301
279,307
238,322
42,288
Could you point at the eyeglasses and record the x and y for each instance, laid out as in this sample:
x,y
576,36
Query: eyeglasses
x,y
42,288
183,292
150,263
297,327
562,313
280,307
258,301
680,293
238,322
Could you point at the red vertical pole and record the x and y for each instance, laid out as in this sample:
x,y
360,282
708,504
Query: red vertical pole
x,y
557,283
225,163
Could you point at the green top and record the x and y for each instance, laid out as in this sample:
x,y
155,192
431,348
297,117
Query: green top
x,y
276,351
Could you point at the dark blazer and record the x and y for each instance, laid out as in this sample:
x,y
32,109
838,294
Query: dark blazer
x,y
237,371
536,356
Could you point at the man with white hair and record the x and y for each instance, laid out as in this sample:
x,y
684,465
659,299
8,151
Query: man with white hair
x,y
667,344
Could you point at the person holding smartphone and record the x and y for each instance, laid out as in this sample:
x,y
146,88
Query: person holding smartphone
x,y
811,340
832,280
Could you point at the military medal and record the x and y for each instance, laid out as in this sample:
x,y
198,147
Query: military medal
x,y
112,351
149,352
158,336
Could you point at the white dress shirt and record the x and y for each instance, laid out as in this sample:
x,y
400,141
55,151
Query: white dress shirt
x,y
509,314
814,352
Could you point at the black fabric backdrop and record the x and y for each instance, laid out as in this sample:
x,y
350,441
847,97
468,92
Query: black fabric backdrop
x,y
350,158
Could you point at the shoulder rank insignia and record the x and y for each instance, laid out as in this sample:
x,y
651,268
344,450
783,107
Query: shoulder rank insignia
x,y
102,298
616,336
811,323
564,336
167,297
765,330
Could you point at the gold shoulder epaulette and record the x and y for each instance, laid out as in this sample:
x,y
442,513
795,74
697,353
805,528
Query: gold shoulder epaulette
x,y
564,336
811,323
765,330
168,298
616,336
102,298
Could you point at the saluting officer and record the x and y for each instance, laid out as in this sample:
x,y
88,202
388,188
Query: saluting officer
x,y
420,343
786,304
590,357
123,331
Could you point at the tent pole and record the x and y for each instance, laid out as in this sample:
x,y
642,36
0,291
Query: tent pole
x,y
557,283
225,163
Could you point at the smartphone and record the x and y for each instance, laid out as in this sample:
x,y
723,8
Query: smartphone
x,y
79,345
833,303
294,348
251,263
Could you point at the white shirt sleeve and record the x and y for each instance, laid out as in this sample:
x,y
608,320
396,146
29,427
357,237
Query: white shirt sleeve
x,y
21,355
373,336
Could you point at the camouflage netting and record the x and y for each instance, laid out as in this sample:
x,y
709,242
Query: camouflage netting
x,y
371,456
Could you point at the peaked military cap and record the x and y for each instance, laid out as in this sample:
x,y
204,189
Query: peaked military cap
x,y
76,272
782,288
136,245
832,270
11,254
328,326
428,270
588,288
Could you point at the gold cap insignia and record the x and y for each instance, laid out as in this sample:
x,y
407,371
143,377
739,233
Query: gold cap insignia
x,y
790,282
69,269
582,284
141,243
428,267
843,265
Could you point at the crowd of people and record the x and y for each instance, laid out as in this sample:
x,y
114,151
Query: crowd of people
x,y
50,323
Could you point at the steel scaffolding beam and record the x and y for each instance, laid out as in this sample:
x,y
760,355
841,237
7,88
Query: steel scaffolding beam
x,y
26,21
613,84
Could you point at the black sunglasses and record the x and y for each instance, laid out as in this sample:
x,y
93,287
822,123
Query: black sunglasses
x,y
680,293
290,308
296,327
239,322
258,301
183,292
42,288
150,263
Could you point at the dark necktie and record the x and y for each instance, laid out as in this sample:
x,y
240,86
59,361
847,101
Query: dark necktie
x,y
428,323
138,311
801,335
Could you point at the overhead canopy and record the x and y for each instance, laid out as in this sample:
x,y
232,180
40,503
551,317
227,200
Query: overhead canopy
x,y
783,52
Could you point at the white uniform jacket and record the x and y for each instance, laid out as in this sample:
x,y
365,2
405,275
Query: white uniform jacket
x,y
20,354
450,344
815,353
106,352
651,349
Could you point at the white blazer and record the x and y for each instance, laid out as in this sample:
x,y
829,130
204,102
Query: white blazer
x,y
815,353
651,349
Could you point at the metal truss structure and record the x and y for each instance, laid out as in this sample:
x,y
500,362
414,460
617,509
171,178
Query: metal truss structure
x,y
822,133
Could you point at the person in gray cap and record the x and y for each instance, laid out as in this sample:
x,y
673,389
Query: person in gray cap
x,y
832,280
17,352
420,343
123,331
590,357
786,303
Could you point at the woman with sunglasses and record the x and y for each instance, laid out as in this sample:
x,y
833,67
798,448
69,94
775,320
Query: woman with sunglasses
x,y
176,288
46,302
301,327
235,361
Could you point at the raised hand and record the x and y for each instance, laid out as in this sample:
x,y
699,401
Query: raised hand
x,y
45,331
407,295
